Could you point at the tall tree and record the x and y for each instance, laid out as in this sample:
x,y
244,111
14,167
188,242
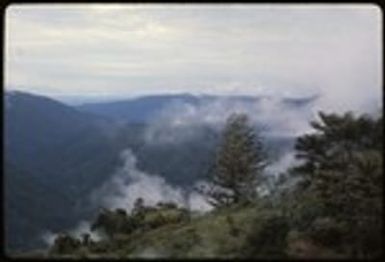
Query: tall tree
x,y
342,168
335,143
239,164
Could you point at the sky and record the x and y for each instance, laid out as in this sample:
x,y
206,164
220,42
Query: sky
x,y
128,50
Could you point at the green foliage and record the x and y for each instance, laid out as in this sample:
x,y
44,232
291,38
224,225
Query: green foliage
x,y
113,222
336,138
233,229
327,232
238,167
267,237
342,172
333,212
142,218
65,244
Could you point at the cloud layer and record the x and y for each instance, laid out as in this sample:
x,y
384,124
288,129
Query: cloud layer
x,y
127,50
181,121
129,183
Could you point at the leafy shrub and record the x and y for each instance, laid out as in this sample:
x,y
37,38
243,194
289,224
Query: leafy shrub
x,y
65,244
327,231
267,236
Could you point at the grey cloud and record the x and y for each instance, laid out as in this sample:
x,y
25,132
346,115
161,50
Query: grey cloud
x,y
129,49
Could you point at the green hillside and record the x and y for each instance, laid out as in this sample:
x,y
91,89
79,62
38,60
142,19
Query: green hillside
x,y
258,231
327,206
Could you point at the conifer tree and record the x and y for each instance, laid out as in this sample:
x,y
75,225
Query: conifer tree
x,y
342,169
238,166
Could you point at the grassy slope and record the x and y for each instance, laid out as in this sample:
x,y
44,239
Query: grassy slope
x,y
207,236
211,235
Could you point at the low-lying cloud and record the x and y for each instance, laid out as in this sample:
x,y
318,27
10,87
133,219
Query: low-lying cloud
x,y
83,227
180,120
129,183
281,164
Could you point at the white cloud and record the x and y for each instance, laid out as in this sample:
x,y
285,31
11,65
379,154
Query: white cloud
x,y
181,121
83,227
282,164
130,183
48,238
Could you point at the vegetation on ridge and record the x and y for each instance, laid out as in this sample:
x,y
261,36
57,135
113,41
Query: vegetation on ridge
x,y
327,206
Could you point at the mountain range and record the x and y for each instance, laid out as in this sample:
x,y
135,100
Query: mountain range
x,y
56,155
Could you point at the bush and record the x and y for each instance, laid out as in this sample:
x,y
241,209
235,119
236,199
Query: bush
x,y
65,244
267,237
327,232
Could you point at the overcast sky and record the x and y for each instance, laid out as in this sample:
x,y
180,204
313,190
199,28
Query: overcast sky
x,y
131,50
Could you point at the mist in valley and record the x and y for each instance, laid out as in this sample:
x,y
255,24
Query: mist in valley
x,y
106,106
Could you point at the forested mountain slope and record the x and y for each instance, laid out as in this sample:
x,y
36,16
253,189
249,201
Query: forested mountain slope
x,y
65,153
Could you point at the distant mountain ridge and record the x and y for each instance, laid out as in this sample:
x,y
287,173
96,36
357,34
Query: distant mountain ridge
x,y
143,108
